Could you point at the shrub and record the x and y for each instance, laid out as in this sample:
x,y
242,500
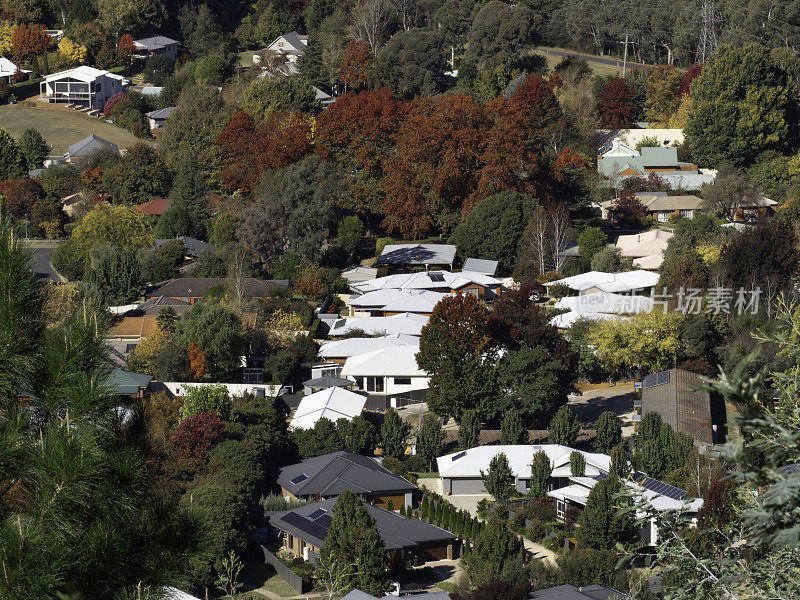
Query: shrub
x,y
118,97
196,435
275,502
381,244
207,398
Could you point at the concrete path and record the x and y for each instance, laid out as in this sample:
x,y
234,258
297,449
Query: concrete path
x,y
618,399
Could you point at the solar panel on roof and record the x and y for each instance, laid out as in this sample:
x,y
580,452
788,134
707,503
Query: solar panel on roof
x,y
299,479
659,487
459,455
324,521
317,514
437,277
306,526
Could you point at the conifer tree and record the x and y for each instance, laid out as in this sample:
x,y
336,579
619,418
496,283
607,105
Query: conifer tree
x,y
512,429
564,427
429,442
393,434
541,470
609,432
469,430
619,462
498,480
353,540
497,555
390,505
423,510
577,464
602,522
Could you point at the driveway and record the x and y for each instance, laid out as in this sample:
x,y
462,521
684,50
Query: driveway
x,y
42,266
618,399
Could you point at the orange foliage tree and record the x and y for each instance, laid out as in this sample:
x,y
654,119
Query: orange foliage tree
x,y
28,42
357,132
249,148
197,362
356,63
125,46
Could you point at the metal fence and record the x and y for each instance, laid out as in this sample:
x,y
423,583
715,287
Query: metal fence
x,y
293,579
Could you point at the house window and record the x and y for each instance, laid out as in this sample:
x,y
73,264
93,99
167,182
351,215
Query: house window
x,y
687,213
329,372
359,382
402,380
561,509
289,540
472,292
374,384
662,217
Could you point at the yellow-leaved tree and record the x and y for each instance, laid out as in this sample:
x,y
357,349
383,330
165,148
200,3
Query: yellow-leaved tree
x,y
283,326
6,31
648,342
117,225
72,51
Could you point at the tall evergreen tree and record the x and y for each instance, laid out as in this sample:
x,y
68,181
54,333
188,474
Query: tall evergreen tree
x,y
619,462
499,477
649,428
469,430
564,427
423,509
34,148
353,541
603,523
609,432
393,434
541,470
577,464
512,429
429,441
497,555
187,210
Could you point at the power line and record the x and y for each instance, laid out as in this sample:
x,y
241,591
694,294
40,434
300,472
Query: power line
x,y
707,46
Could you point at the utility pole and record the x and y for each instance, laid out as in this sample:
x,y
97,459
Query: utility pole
x,y
625,56
707,45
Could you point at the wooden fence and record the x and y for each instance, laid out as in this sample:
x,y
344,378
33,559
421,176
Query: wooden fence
x,y
292,578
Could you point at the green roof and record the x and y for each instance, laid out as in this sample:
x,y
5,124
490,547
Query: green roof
x,y
128,383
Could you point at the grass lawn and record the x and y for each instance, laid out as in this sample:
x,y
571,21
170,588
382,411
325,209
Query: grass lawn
x,y
258,575
246,58
61,126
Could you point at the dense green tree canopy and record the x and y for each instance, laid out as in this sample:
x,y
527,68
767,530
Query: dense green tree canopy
x,y
217,331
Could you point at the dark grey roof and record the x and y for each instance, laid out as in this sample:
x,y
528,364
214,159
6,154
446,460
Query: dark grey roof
x,y
570,592
331,474
155,42
194,247
395,530
195,287
294,39
479,265
154,305
89,144
327,382
161,113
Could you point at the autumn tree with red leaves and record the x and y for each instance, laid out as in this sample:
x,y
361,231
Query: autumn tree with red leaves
x,y
616,104
125,46
196,435
357,132
28,42
20,196
249,148
629,209
688,77
356,63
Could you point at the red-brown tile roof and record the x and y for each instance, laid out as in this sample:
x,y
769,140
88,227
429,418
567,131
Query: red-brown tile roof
x,y
153,207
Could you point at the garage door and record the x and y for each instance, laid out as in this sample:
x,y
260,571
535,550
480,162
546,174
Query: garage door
x,y
466,486
433,552
383,501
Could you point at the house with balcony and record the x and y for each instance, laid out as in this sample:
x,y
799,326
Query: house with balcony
x,y
155,45
82,86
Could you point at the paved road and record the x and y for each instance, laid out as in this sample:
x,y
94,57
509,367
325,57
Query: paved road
x,y
613,62
42,266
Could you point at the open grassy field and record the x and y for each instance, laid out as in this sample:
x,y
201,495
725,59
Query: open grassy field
x,y
61,126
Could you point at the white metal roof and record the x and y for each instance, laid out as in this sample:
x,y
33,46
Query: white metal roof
x,y
606,302
428,280
413,301
657,501
397,361
566,320
645,243
470,463
83,73
626,281
334,403
404,323
7,68
171,593
354,346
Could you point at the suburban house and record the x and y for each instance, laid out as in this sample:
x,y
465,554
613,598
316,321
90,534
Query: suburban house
x,y
604,138
673,395
621,161
571,592
154,208
193,246
144,48
132,328
156,119
479,285
645,248
192,289
389,302
83,148
288,46
128,384
619,283
333,404
599,306
460,472
659,495
662,207
84,86
327,476
8,69
359,273
303,531
154,305
388,372
316,384
410,256
338,351
359,595
401,324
